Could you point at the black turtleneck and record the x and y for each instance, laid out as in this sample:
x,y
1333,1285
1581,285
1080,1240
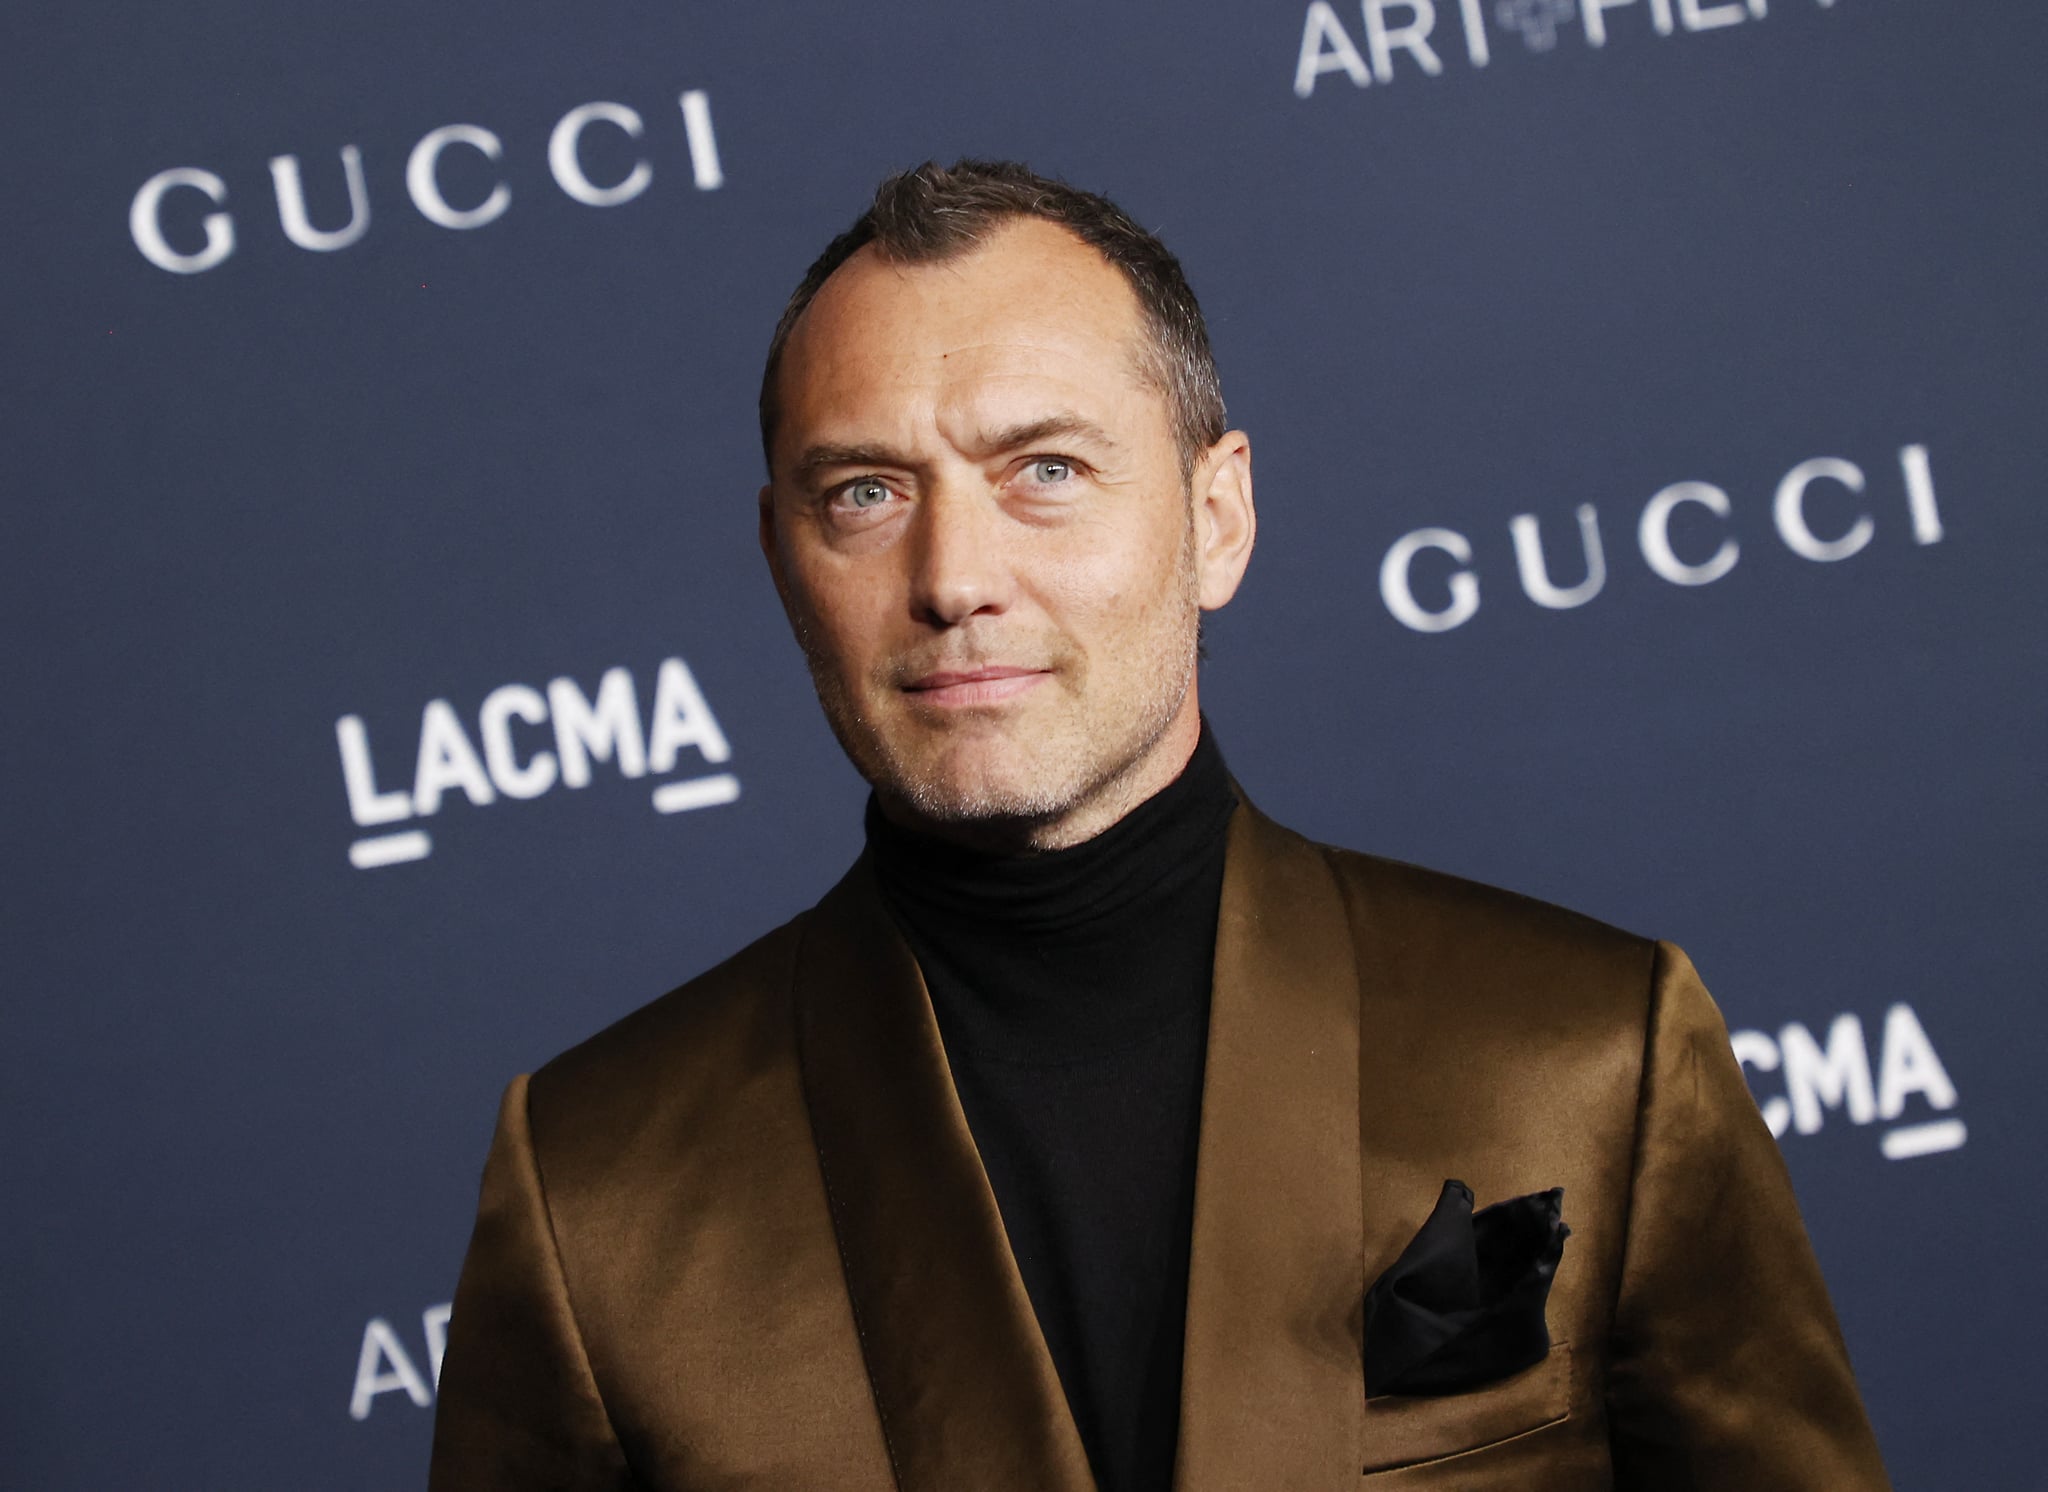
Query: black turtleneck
x,y
1072,992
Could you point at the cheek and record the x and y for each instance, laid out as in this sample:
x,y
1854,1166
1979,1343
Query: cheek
x,y
840,606
1116,573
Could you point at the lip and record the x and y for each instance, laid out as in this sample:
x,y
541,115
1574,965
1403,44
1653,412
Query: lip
x,y
965,688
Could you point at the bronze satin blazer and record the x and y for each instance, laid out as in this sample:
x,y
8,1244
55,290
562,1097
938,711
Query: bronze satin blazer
x,y
742,1238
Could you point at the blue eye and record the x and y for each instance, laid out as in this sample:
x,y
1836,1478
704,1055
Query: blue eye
x,y
1050,471
867,493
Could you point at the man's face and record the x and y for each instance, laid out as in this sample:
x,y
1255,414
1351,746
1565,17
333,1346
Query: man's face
x,y
978,524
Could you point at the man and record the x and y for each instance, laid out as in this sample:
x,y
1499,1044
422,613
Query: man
x,y
1095,1130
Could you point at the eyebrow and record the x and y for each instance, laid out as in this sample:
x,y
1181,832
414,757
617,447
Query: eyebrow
x,y
1051,427
1061,426
817,458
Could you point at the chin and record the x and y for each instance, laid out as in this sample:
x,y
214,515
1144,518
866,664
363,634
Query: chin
x,y
978,784
980,804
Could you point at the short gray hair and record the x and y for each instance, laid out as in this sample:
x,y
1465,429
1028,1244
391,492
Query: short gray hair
x,y
935,212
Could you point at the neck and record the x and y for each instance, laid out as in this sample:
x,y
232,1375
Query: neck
x,y
1099,808
1106,888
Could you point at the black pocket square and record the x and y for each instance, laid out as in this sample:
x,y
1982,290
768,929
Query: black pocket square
x,y
1463,1305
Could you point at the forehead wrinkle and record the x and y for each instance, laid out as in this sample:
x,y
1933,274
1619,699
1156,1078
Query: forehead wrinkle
x,y
1144,361
1077,362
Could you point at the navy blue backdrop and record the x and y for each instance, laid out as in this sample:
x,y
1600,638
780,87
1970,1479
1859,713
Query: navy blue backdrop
x,y
1646,398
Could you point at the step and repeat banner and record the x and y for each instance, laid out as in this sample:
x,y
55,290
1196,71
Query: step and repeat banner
x,y
1646,399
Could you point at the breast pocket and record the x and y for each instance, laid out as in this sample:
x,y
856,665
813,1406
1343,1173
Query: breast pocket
x,y
1402,1431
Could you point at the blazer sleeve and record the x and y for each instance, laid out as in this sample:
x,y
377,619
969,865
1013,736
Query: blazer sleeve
x,y
518,1408
1728,1371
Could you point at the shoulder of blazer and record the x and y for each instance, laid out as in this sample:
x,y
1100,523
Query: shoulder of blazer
x,y
692,1060
1465,949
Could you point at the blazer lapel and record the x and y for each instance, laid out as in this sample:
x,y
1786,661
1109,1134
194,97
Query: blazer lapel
x,y
967,1393
1272,1388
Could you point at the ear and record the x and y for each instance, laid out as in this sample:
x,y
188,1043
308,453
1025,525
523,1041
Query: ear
x,y
1225,520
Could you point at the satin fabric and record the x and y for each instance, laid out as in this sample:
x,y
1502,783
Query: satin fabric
x,y
742,1239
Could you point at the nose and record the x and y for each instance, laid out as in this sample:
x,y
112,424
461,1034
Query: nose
x,y
959,567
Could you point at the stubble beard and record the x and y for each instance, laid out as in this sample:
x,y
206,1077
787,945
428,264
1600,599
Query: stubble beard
x,y
1085,756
